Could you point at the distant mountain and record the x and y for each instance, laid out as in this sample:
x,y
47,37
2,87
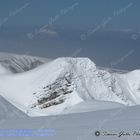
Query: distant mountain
x,y
21,63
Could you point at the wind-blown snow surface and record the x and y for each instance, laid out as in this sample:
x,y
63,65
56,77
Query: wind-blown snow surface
x,y
57,86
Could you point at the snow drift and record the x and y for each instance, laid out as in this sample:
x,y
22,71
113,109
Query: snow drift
x,y
57,86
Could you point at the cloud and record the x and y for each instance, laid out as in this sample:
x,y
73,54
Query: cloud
x,y
48,31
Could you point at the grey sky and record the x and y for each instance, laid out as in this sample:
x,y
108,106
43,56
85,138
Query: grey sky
x,y
105,31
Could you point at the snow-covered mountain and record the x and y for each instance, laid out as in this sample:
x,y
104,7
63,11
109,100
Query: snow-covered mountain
x,y
60,85
20,63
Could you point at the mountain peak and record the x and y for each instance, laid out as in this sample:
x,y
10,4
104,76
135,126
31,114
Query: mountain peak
x,y
53,87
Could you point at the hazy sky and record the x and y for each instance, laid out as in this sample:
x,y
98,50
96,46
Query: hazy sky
x,y
80,13
107,31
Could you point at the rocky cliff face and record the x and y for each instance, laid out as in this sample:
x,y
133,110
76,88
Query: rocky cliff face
x,y
55,93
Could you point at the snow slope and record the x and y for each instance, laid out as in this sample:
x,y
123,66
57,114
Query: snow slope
x,y
81,126
59,85
90,106
3,70
8,111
